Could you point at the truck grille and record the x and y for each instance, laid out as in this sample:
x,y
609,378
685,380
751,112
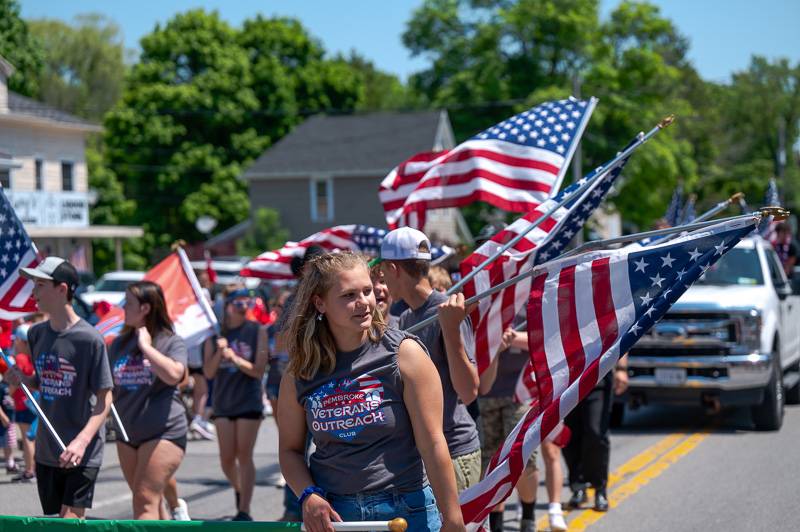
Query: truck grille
x,y
690,334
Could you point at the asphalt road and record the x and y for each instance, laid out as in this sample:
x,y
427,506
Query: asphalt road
x,y
671,469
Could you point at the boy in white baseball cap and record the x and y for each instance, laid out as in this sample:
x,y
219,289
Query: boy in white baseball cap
x,y
405,260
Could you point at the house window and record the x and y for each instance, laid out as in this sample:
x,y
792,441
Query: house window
x,y
321,200
66,175
5,177
39,174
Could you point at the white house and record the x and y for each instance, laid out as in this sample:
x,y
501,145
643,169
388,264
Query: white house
x,y
43,172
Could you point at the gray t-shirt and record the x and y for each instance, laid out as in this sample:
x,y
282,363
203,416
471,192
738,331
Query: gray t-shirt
x,y
236,393
361,428
510,364
148,407
459,428
71,367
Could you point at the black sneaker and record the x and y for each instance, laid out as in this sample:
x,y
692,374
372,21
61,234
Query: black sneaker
x,y
242,516
579,498
600,501
24,477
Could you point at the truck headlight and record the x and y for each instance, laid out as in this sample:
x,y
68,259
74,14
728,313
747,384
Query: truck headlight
x,y
750,330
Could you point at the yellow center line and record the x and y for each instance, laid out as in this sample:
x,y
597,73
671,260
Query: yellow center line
x,y
630,467
638,481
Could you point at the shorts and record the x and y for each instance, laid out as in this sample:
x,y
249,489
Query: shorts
x,y
65,487
246,415
180,442
468,469
25,416
499,416
418,507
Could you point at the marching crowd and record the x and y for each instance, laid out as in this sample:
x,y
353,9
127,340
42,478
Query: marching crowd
x,y
349,389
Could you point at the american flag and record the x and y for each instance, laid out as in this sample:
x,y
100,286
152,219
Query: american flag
x,y
688,213
16,251
362,238
494,314
673,213
514,165
584,312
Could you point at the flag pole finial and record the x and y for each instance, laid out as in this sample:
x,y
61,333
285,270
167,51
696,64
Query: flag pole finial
x,y
666,121
180,243
736,197
777,213
398,524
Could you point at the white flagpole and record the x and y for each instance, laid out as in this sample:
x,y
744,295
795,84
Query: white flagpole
x,y
395,525
120,426
36,406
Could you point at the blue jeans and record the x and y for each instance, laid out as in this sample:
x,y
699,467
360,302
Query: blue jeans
x,y
416,507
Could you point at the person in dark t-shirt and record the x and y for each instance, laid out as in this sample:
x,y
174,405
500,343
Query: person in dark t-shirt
x,y
74,378
148,361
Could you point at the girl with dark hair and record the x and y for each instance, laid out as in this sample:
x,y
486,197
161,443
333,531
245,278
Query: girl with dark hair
x,y
371,399
237,361
148,361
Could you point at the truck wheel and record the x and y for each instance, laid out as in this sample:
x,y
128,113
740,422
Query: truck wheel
x,y
769,414
617,415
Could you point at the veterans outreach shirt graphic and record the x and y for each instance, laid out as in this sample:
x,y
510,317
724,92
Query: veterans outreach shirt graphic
x,y
344,407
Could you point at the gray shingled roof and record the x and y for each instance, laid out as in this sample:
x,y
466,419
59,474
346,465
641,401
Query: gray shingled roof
x,y
21,105
349,143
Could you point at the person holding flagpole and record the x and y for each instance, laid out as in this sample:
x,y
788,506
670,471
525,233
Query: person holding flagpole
x,y
236,361
372,401
405,260
73,375
148,362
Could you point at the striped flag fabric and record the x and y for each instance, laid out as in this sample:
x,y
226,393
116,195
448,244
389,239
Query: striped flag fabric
x,y
16,251
494,314
365,239
673,214
514,165
771,199
584,312
191,313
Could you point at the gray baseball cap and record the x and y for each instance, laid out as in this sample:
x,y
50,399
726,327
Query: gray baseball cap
x,y
53,269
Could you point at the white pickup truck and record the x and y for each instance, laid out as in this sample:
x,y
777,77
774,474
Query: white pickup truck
x,y
733,339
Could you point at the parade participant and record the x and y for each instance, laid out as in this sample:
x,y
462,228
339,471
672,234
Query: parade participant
x,y
785,248
236,361
74,378
500,413
7,426
439,278
148,360
588,452
23,415
383,298
405,261
371,400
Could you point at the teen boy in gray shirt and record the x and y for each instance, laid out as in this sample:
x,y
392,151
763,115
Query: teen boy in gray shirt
x,y
74,377
405,259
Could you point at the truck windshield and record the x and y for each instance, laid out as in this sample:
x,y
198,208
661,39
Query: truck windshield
x,y
738,266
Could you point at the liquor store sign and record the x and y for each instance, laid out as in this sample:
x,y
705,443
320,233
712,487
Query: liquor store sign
x,y
51,209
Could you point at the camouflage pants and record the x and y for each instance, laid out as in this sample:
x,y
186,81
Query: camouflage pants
x,y
499,416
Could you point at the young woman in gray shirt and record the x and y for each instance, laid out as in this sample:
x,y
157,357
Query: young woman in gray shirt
x,y
372,401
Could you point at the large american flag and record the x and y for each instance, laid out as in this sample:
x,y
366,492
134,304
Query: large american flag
x,y
495,314
514,165
584,312
366,239
16,251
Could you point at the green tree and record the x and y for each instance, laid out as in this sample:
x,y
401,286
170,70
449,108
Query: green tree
x,y
203,101
19,47
83,66
382,91
265,233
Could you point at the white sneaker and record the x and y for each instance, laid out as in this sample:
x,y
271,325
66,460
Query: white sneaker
x,y
281,482
557,523
201,428
181,513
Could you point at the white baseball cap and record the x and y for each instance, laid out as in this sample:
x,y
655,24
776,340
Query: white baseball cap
x,y
405,243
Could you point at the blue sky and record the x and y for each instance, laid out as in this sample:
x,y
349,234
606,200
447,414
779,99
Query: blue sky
x,y
724,33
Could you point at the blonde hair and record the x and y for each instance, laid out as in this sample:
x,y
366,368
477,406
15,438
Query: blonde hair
x,y
310,343
439,279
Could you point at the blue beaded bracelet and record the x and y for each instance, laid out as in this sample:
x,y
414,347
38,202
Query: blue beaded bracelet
x,y
307,492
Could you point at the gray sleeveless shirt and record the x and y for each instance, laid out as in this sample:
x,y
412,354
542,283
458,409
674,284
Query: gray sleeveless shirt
x,y
236,393
360,424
